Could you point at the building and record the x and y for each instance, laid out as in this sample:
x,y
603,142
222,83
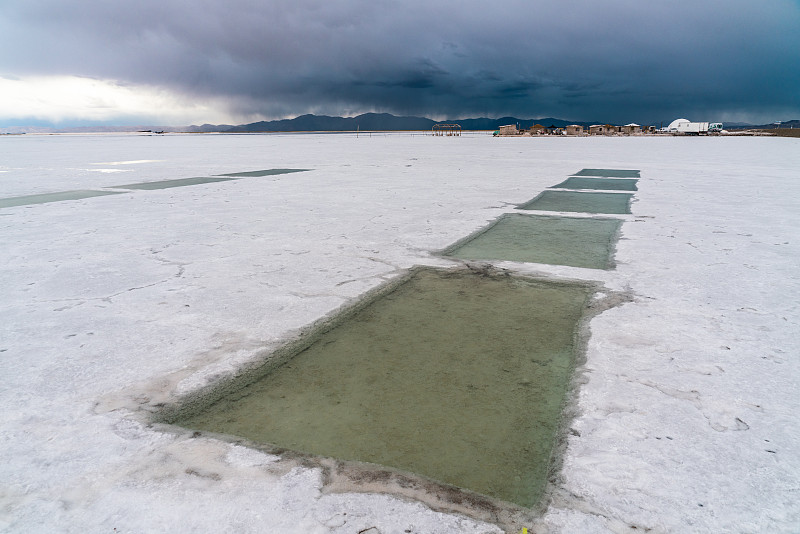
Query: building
x,y
446,129
574,129
508,129
603,129
538,129
631,129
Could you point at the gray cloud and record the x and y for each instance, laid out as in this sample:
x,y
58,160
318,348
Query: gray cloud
x,y
618,60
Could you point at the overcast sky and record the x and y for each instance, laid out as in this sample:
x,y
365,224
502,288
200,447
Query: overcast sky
x,y
176,62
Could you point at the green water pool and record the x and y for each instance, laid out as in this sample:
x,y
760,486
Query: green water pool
x,y
578,242
455,376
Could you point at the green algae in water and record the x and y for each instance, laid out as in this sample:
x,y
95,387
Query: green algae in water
x,y
573,201
457,377
609,173
44,198
577,242
607,184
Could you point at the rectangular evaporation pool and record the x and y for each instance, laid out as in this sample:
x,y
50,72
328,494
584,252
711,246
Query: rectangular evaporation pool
x,y
609,173
573,201
456,376
540,239
268,172
53,197
166,184
607,184
182,182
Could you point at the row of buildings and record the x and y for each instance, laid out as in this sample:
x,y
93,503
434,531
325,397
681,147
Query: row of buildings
x,y
571,129
677,127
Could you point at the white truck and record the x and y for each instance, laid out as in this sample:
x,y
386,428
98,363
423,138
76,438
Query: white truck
x,y
688,127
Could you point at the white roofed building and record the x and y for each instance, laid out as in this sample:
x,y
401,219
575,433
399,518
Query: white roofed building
x,y
630,129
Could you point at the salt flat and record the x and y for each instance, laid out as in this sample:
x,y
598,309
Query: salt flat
x,y
686,419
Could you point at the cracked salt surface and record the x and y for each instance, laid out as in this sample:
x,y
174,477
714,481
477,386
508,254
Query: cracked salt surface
x,y
687,416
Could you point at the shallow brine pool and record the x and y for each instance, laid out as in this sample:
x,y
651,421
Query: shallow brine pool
x,y
603,184
578,202
456,376
578,242
609,173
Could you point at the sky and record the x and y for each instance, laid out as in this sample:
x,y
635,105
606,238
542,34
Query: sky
x,y
180,62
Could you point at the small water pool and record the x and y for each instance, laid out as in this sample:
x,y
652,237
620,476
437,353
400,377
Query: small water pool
x,y
578,242
456,376
609,173
580,202
604,184
266,172
167,184
52,197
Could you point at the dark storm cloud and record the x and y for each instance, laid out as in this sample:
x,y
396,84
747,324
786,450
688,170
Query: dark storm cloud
x,y
618,60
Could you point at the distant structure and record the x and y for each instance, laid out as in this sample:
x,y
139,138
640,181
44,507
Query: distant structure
x,y
576,130
687,127
447,129
508,129
603,129
630,129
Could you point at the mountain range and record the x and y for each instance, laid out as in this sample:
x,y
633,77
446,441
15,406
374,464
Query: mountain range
x,y
386,122
366,122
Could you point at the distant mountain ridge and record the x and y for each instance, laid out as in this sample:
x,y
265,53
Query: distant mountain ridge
x,y
324,123
367,122
785,124
386,122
